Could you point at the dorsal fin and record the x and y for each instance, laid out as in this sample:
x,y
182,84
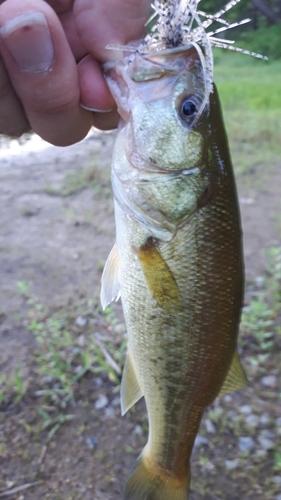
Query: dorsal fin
x,y
236,377
110,286
131,391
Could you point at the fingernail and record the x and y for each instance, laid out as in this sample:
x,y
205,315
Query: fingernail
x,y
96,110
29,41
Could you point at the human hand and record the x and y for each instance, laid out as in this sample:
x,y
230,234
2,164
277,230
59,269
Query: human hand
x,y
50,55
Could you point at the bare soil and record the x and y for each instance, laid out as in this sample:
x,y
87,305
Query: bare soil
x,y
55,233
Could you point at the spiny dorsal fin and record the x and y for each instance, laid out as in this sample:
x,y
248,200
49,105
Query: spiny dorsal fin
x,y
236,377
110,287
158,276
131,391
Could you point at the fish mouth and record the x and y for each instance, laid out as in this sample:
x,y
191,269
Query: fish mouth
x,y
149,167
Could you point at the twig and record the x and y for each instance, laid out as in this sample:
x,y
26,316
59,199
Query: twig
x,y
17,489
42,455
107,356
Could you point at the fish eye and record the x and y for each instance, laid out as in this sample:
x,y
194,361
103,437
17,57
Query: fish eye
x,y
188,108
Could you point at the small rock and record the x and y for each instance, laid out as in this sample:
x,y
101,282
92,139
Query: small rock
x,y
277,480
231,464
267,433
266,444
252,420
98,381
75,256
260,453
80,321
259,281
227,398
246,409
246,443
278,497
269,381
47,379
10,484
210,426
92,442
209,466
232,414
265,419
109,412
138,430
101,402
115,402
201,441
278,421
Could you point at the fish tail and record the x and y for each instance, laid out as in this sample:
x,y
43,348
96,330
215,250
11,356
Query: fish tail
x,y
147,482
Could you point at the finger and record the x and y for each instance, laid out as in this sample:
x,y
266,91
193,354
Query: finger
x,y
95,93
106,121
13,121
109,22
43,71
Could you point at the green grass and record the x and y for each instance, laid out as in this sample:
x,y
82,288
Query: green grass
x,y
249,90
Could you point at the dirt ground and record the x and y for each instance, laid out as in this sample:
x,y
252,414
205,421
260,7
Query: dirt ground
x,y
56,230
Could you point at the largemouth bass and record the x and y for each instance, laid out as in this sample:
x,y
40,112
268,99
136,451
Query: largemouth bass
x,y
177,263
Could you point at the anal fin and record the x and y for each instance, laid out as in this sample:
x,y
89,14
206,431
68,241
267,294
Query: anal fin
x,y
110,287
131,391
236,377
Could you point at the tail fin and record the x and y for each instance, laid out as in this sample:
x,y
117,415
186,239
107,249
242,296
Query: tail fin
x,y
148,483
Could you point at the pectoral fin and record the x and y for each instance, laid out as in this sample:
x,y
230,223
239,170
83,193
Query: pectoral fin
x,y
131,391
236,378
110,287
159,277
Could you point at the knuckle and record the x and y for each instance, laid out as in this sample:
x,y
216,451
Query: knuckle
x,y
57,104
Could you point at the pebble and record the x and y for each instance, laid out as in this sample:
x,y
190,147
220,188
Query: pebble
x,y
92,442
278,497
260,453
210,426
252,420
231,464
246,409
267,433
101,402
259,281
209,466
80,321
278,421
109,412
138,430
116,401
227,398
269,381
265,419
201,441
246,443
266,444
98,381
277,480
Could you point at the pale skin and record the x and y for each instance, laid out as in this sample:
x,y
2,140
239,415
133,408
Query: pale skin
x,y
50,64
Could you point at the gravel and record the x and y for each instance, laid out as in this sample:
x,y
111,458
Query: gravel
x,y
101,402
246,443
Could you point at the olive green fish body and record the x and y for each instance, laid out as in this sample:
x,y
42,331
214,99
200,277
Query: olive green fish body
x,y
179,259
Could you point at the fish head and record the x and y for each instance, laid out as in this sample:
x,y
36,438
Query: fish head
x,y
163,163
162,97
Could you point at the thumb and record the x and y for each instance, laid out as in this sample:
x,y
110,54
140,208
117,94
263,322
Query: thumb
x,y
109,22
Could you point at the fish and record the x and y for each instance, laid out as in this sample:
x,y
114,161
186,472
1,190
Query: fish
x,y
177,263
